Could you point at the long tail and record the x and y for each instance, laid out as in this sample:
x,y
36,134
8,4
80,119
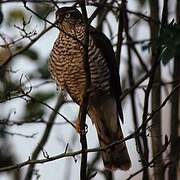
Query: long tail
x,y
104,114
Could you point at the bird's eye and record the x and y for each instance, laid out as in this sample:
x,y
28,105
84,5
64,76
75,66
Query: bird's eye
x,y
68,15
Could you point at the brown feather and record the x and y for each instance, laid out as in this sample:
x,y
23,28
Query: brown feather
x,y
66,67
103,112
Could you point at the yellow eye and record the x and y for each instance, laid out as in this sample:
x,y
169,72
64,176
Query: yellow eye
x,y
68,15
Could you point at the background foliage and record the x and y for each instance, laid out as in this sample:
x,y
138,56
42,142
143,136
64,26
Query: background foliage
x,y
146,38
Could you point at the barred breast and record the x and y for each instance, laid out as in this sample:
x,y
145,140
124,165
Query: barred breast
x,y
66,65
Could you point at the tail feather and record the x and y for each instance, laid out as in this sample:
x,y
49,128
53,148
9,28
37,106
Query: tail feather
x,y
105,117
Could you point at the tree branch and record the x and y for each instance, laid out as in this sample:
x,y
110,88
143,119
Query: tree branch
x,y
45,136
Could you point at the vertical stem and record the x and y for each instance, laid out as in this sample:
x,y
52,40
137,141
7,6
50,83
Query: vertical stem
x,y
1,15
132,94
144,117
85,98
84,105
156,131
100,20
83,140
108,175
120,35
174,121
175,105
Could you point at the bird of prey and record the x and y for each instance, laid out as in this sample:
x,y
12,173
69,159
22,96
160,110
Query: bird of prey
x,y
67,69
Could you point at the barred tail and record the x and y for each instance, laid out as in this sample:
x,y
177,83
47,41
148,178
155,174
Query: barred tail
x,y
104,114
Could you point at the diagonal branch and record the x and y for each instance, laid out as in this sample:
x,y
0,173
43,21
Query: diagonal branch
x,y
73,154
45,136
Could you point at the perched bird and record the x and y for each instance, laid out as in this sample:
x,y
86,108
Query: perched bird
x,y
66,68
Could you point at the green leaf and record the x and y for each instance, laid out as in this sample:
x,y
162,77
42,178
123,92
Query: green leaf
x,y
44,96
15,15
1,15
32,54
146,47
142,2
34,107
167,54
169,41
43,9
43,70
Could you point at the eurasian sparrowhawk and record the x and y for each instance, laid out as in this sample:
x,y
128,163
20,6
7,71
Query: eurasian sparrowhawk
x,y
67,69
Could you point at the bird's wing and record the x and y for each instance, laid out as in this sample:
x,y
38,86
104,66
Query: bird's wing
x,y
104,44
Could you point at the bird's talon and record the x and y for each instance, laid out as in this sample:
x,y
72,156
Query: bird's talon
x,y
86,128
79,130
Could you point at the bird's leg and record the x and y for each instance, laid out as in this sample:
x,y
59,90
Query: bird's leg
x,y
78,127
78,121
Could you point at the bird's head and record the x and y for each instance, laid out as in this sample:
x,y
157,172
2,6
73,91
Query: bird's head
x,y
67,17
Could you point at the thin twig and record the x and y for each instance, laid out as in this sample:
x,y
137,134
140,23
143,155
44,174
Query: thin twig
x,y
73,154
26,47
152,161
45,136
19,134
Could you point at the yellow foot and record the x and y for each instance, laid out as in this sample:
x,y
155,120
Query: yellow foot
x,y
78,128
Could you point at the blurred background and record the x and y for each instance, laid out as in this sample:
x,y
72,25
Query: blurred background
x,y
145,36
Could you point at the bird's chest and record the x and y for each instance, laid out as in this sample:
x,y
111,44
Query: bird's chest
x,y
70,58
70,74
70,65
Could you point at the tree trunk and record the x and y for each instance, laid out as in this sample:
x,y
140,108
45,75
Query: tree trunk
x,y
156,94
175,111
